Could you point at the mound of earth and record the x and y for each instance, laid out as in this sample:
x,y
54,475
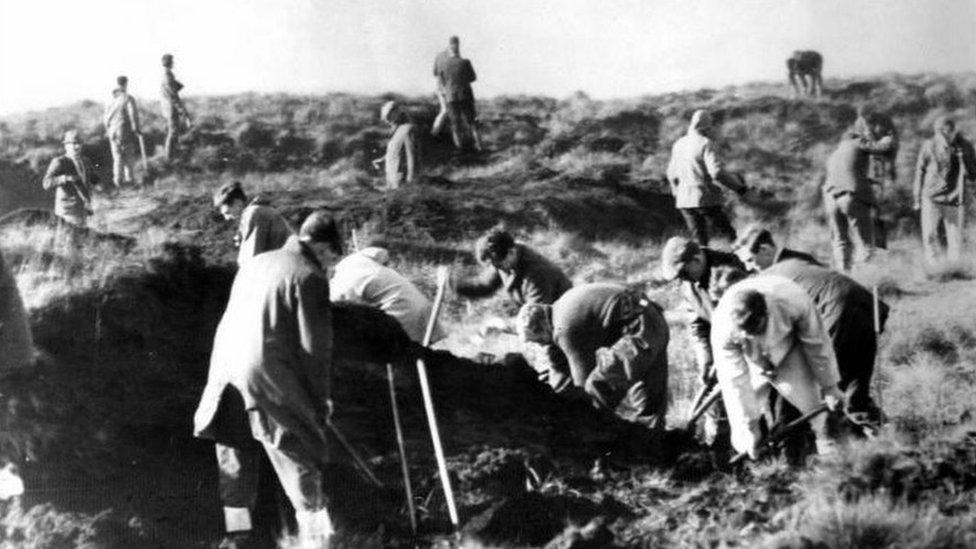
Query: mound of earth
x,y
20,187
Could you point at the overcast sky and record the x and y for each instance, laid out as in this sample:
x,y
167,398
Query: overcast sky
x,y
58,51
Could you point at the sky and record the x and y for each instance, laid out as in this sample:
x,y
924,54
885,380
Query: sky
x,y
54,52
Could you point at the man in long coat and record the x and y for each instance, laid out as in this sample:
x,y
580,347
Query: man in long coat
x,y
273,351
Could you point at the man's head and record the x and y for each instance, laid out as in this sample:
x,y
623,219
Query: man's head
x,y
682,259
721,279
454,46
498,248
391,112
946,127
230,200
756,248
320,233
533,323
701,121
878,124
168,60
72,143
123,82
749,312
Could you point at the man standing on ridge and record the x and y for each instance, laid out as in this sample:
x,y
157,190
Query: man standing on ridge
x,y
73,177
693,172
173,110
454,76
121,122
946,162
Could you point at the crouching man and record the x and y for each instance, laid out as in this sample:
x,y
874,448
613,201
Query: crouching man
x,y
273,351
768,336
260,228
607,343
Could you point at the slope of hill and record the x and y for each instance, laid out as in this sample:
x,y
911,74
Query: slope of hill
x,y
101,429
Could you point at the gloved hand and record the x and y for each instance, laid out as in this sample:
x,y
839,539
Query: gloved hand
x,y
833,398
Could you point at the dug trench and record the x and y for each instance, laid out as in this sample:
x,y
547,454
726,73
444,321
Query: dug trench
x,y
101,425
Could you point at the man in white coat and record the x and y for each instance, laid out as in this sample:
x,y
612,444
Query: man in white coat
x,y
768,336
363,277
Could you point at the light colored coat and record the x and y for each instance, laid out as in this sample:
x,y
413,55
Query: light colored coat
x,y
274,345
695,169
795,349
362,277
121,118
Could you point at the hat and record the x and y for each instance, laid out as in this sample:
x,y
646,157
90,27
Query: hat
x,y
494,245
377,254
678,250
386,109
71,136
229,192
320,226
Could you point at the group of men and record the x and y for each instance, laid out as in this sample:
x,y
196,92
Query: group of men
x,y
856,174
72,175
454,75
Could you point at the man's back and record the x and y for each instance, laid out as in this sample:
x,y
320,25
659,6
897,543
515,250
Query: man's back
x,y
361,279
832,292
691,172
847,170
455,75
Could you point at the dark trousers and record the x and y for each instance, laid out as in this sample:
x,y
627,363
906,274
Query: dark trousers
x,y
856,345
697,220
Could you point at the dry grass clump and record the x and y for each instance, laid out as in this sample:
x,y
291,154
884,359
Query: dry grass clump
x,y
874,522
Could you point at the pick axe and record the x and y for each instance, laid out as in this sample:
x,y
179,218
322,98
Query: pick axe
x,y
150,175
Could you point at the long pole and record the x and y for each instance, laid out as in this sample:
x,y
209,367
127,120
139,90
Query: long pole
x,y
407,487
961,186
442,276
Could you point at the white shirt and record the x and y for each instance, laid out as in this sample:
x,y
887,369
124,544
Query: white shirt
x,y
362,279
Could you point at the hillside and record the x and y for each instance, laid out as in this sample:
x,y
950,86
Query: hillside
x,y
124,316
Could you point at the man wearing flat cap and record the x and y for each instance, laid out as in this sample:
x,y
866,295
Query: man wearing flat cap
x,y
72,177
272,357
684,260
402,159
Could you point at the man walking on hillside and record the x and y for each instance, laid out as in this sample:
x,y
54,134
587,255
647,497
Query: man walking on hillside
x,y
693,172
454,76
946,162
848,197
768,336
72,176
610,345
260,229
272,357
121,122
402,162
174,112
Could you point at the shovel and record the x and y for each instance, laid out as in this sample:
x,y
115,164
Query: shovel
x,y
782,433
